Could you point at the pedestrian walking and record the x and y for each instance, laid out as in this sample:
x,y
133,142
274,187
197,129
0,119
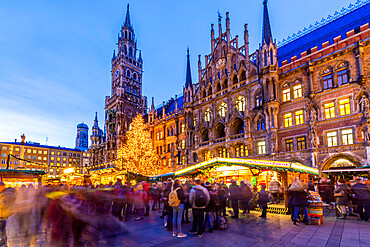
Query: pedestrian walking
x,y
298,190
275,190
263,199
176,201
341,198
362,198
199,199
234,191
246,196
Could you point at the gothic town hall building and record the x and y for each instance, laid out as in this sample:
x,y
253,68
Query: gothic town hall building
x,y
305,99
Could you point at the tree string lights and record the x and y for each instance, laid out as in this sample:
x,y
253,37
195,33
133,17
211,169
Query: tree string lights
x,y
137,154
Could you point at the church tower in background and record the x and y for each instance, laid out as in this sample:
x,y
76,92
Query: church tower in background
x,y
126,100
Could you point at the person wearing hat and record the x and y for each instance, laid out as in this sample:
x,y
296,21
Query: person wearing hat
x,y
263,199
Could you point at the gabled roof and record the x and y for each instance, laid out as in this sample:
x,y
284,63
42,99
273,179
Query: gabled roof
x,y
326,30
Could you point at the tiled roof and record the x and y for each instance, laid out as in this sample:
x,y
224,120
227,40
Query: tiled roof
x,y
326,30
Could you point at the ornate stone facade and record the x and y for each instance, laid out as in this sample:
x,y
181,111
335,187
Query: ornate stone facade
x,y
312,109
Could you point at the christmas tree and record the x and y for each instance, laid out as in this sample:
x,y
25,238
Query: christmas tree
x,y
137,154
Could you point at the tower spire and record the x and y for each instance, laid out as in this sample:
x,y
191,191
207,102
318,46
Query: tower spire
x,y
96,121
188,82
127,21
266,29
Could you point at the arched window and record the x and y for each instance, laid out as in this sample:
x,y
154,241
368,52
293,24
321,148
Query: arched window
x,y
222,109
134,91
207,115
125,49
204,94
209,92
235,80
327,79
129,35
243,76
240,103
297,91
125,34
271,57
265,60
224,84
260,123
218,87
258,99
342,74
130,52
286,93
134,76
128,73
222,152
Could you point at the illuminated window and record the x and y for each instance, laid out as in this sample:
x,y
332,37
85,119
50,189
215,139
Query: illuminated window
x,y
332,138
301,143
240,103
52,152
344,107
299,117
183,160
222,109
222,152
58,159
4,148
64,159
288,120
261,147
258,99
17,149
207,155
289,145
39,157
58,153
347,137
34,151
194,121
329,110
260,123
286,94
207,115
161,134
51,170
327,81
342,76
28,150
182,128
182,144
297,91
40,152
239,151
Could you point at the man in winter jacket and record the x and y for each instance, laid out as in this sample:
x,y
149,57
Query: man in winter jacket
x,y
234,191
198,192
362,194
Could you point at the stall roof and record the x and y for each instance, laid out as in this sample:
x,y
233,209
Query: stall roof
x,y
250,163
20,172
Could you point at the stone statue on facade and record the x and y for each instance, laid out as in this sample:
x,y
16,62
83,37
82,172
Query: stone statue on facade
x,y
364,106
365,132
313,116
273,142
196,139
313,137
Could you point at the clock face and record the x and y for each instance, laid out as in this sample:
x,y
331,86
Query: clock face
x,y
116,73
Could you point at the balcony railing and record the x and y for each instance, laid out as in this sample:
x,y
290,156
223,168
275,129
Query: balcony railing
x,y
219,140
237,136
203,143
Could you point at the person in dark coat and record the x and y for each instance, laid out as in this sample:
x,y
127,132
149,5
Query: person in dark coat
x,y
263,199
299,194
246,196
362,196
168,208
185,212
341,198
325,189
220,193
234,191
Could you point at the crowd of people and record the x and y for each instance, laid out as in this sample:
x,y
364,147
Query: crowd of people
x,y
91,215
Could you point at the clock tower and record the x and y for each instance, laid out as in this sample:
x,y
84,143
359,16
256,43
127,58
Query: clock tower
x,y
126,100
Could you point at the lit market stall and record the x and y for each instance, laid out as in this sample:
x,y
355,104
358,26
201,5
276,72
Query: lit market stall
x,y
111,174
258,172
15,178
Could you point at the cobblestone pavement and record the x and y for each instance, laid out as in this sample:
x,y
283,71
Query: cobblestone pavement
x,y
250,230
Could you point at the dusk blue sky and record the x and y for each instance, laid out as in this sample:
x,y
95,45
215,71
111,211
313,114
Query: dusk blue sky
x,y
56,55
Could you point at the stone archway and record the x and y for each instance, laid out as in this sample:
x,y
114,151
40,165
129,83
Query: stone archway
x,y
340,160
